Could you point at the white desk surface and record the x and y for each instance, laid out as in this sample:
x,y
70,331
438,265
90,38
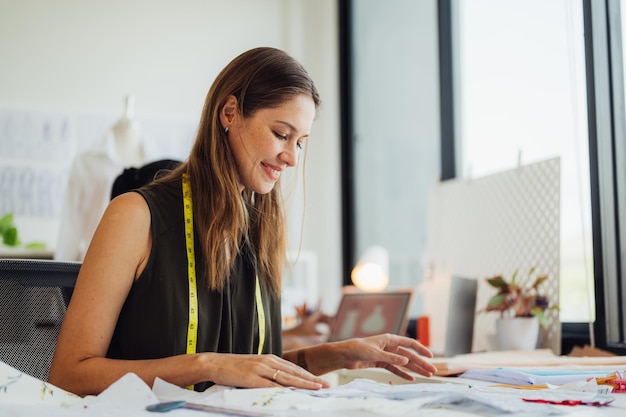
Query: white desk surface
x,y
24,396
615,409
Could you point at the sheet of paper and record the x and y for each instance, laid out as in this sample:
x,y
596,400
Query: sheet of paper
x,y
533,376
17,387
368,396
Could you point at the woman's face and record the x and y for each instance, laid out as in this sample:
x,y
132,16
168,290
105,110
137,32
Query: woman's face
x,y
269,141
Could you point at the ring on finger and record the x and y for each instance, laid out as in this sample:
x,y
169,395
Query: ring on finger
x,y
275,375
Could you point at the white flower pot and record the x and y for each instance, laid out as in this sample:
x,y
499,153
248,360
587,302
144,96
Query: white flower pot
x,y
517,333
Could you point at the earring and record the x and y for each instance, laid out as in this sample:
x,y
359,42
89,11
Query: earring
x,y
226,130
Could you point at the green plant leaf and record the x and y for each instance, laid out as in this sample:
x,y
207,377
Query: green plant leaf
x,y
5,222
9,237
539,280
498,282
35,245
8,230
541,317
497,302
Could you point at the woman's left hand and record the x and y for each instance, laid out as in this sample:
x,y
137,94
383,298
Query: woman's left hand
x,y
395,353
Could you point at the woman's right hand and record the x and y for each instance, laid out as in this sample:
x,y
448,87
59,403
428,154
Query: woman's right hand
x,y
259,371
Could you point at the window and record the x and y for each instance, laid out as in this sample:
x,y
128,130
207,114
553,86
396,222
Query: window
x,y
521,99
528,83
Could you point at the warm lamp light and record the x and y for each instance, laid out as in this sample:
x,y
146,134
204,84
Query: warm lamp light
x,y
371,273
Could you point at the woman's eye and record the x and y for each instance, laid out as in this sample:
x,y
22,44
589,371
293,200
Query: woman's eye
x,y
299,145
279,136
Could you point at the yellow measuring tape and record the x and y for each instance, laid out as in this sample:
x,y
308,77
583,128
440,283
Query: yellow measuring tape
x,y
192,326
261,316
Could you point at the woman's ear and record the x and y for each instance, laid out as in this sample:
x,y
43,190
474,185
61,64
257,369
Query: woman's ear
x,y
229,111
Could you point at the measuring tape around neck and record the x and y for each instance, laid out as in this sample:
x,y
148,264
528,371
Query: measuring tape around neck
x,y
192,327
260,311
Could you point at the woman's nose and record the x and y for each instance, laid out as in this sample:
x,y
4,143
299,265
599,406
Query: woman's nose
x,y
289,155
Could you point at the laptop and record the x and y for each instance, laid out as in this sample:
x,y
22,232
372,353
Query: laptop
x,y
362,314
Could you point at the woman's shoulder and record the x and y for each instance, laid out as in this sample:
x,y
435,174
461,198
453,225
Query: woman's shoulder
x,y
165,202
128,207
126,218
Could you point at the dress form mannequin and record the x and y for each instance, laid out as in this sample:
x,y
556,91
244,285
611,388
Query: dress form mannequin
x,y
89,186
127,137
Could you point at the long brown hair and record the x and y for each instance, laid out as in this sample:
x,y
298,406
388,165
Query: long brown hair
x,y
224,218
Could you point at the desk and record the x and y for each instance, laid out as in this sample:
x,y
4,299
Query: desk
x,y
344,376
24,396
355,393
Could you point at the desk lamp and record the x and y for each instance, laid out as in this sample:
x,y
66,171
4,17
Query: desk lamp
x,y
371,272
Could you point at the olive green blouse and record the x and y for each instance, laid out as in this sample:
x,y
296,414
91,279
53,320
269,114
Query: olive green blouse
x,y
153,321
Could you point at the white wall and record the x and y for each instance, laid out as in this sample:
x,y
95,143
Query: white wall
x,y
79,59
84,56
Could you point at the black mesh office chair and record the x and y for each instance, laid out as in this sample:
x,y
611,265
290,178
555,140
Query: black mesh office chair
x,y
132,178
34,295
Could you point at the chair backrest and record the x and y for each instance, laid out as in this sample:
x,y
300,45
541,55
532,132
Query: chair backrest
x,y
132,178
34,295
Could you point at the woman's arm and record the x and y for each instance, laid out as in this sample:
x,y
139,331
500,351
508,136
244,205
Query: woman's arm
x,y
392,352
116,257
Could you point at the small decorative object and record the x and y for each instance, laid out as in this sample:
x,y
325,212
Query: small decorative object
x,y
8,231
519,301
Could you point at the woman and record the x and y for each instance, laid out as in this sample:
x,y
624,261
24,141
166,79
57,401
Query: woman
x,y
182,278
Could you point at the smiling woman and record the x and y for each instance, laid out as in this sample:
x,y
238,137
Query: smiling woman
x,y
200,251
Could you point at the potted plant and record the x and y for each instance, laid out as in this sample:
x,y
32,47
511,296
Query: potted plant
x,y
8,231
521,300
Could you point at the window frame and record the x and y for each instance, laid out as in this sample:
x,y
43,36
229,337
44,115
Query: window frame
x,y
347,135
607,153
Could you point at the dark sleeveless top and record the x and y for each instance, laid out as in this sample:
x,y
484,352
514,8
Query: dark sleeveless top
x,y
153,321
